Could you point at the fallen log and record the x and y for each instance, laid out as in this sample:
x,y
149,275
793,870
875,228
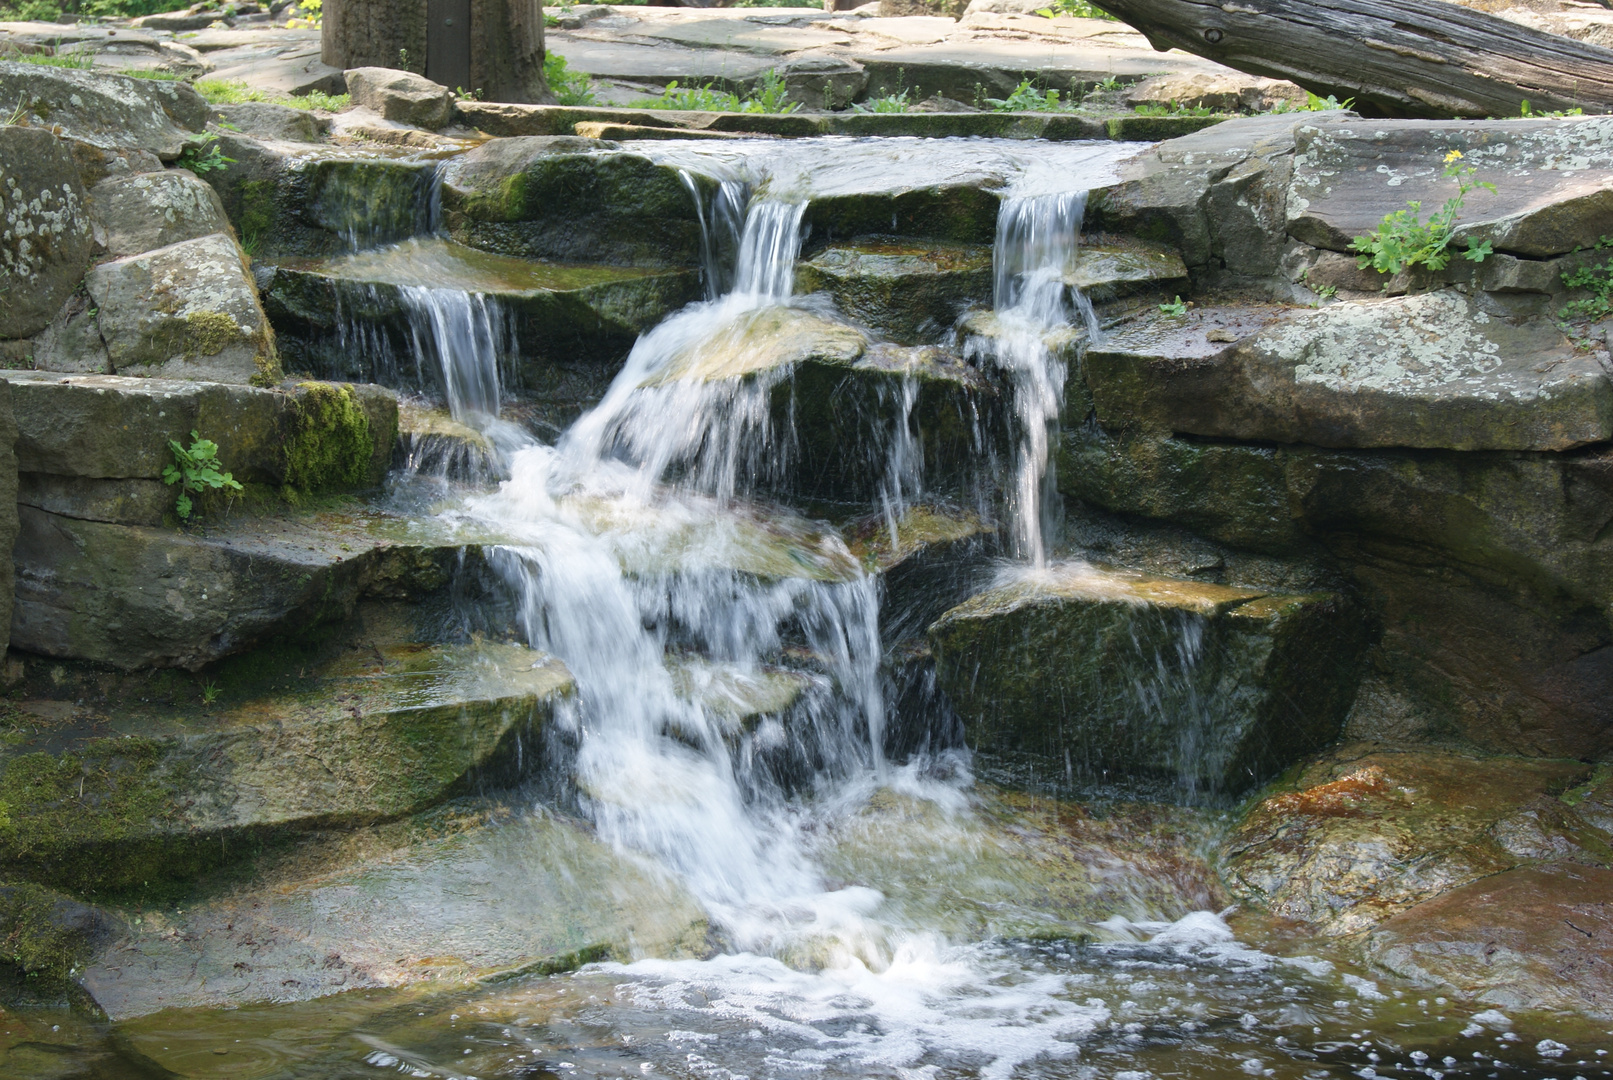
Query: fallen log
x,y
1396,58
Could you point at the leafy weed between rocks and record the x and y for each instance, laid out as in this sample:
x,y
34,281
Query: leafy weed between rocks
x,y
203,155
1404,239
890,103
1027,98
224,92
770,97
1075,9
196,469
1596,280
568,87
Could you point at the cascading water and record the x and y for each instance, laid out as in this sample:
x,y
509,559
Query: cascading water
x,y
1037,239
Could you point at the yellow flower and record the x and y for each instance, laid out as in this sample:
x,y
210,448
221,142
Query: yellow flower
x,y
1454,155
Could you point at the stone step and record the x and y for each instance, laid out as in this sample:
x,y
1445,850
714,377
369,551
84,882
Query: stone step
x,y
125,792
1075,673
1429,371
578,317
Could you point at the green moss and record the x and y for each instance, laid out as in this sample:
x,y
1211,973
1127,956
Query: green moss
x,y
208,333
87,817
331,446
34,935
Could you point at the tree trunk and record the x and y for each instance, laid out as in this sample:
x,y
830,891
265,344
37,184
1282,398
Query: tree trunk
x,y
1405,58
506,43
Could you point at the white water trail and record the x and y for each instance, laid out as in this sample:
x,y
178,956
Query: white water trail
x,y
465,332
1038,237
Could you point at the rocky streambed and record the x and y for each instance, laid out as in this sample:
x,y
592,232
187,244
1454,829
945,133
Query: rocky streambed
x,y
768,606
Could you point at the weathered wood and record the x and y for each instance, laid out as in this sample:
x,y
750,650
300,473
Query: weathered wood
x,y
1406,58
506,53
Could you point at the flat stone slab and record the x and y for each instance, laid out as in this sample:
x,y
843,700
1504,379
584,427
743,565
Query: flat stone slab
x,y
524,895
910,291
1072,672
1433,370
1532,938
374,735
1360,835
1553,178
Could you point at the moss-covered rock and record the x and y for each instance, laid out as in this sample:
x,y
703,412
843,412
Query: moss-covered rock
x,y
572,200
373,737
912,292
1074,672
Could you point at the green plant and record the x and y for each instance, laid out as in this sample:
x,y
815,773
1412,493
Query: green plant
x,y
210,692
224,92
1026,98
77,61
1176,309
312,10
1172,108
770,97
890,103
202,154
568,87
403,59
1078,9
152,73
1404,239
1526,111
1598,281
196,469
318,99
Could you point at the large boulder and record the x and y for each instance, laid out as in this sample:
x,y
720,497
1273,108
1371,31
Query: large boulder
x,y
135,214
189,310
570,199
1433,371
1531,938
1360,836
266,120
1074,673
44,228
375,735
401,96
107,112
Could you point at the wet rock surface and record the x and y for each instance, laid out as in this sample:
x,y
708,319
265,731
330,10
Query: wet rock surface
x,y
1075,672
1362,835
1532,938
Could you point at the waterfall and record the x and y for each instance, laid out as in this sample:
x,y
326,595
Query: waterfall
x,y
466,334
1037,239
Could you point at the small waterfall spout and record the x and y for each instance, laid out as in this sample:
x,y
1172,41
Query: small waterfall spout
x,y
467,335
1037,240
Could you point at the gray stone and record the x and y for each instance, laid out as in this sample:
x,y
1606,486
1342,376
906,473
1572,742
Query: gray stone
x,y
72,342
1220,91
1554,180
44,229
135,214
288,62
180,22
266,120
402,96
189,310
1426,371
137,597
120,502
114,428
8,511
1076,673
1535,938
821,82
107,111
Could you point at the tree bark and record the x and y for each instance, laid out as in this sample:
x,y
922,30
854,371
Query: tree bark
x,y
1396,58
506,54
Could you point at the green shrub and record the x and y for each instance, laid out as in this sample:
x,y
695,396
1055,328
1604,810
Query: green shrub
x,y
1026,98
568,87
1403,239
770,97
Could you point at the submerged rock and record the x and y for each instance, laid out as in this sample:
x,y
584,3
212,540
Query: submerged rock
x,y
148,793
189,310
1532,938
44,228
1073,673
1433,370
1361,835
